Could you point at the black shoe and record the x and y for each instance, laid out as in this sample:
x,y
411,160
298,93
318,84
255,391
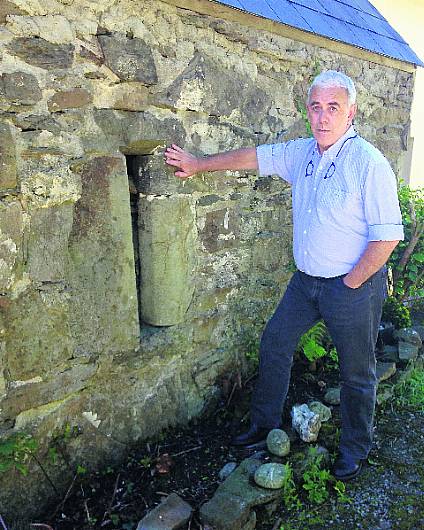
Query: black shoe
x,y
254,436
347,468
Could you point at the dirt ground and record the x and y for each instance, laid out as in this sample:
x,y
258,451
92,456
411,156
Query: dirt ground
x,y
387,495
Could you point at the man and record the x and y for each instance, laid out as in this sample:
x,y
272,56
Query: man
x,y
346,223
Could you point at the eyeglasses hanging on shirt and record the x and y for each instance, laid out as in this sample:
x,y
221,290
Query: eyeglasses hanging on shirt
x,y
331,168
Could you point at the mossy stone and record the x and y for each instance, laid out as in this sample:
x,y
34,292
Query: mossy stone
x,y
271,475
319,408
278,442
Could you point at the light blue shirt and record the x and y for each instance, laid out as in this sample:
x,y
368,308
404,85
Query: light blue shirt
x,y
342,199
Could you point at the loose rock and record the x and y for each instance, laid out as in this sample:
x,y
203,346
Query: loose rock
x,y
385,371
319,408
171,514
332,396
409,335
306,422
227,470
390,353
271,475
231,506
407,351
278,442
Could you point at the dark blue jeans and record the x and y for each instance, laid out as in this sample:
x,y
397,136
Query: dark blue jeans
x,y
352,317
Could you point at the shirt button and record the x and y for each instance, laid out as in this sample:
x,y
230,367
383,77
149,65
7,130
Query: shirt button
x,y
304,231
305,252
309,211
315,189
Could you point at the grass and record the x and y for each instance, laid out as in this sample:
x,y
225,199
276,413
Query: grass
x,y
410,393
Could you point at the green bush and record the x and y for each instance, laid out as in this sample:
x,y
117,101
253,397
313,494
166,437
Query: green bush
x,y
407,260
397,313
410,392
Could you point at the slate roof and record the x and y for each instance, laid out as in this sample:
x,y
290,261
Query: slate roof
x,y
355,22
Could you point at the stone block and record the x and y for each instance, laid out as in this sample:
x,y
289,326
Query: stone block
x,y
8,174
11,236
167,241
407,351
390,353
408,335
153,176
41,53
48,243
37,334
69,99
206,86
103,294
26,395
20,88
385,371
131,59
53,28
220,230
135,133
133,96
171,514
8,8
230,507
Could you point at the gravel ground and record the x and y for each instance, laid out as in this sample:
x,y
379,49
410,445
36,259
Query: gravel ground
x,y
388,495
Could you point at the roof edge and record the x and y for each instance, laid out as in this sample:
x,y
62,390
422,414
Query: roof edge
x,y
218,10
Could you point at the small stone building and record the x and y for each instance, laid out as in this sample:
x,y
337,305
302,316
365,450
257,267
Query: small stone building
x,y
125,293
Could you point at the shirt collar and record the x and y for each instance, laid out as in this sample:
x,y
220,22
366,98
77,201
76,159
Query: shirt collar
x,y
333,151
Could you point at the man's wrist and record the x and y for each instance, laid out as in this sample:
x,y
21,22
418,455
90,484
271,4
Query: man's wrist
x,y
351,282
202,164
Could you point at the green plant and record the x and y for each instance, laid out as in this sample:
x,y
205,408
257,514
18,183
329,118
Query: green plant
x,y
301,108
316,480
311,342
334,358
340,488
410,392
407,260
252,357
396,312
289,493
16,452
146,461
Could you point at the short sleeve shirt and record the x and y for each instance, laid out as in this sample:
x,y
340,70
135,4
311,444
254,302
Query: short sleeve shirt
x,y
342,199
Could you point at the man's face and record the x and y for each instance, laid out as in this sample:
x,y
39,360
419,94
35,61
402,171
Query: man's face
x,y
330,115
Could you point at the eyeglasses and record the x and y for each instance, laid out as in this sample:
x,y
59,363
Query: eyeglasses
x,y
331,168
329,173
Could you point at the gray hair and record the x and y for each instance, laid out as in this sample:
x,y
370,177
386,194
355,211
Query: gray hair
x,y
331,78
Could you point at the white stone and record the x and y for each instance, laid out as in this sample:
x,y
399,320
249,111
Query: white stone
x,y
306,422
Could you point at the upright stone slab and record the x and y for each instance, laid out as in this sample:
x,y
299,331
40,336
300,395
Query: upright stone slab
x,y
167,239
8,178
103,294
48,242
11,234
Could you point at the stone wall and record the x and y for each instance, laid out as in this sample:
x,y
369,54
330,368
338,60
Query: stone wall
x,y
126,294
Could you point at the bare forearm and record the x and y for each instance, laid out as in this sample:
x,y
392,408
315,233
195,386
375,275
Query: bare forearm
x,y
239,159
188,165
374,257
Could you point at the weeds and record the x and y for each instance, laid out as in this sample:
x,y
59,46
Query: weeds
x,y
289,493
315,483
410,393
